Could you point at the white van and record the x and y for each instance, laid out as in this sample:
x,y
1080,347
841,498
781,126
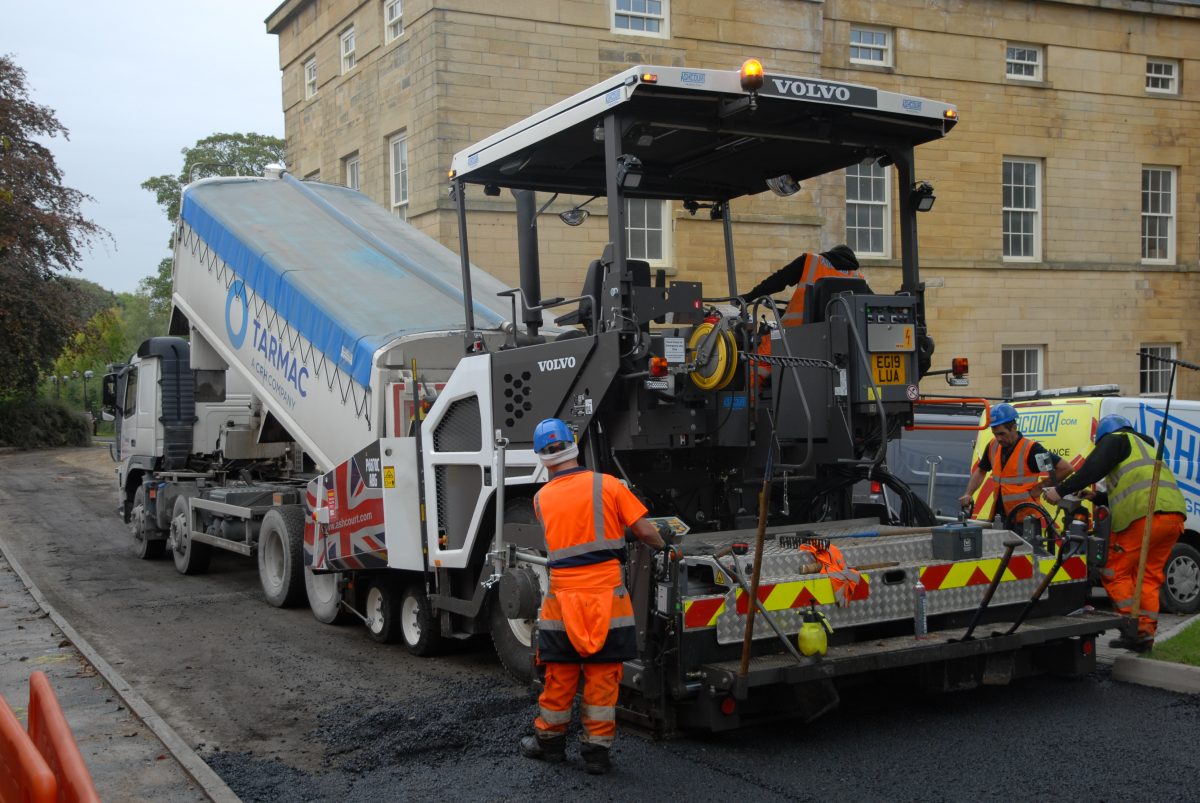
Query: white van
x,y
1065,426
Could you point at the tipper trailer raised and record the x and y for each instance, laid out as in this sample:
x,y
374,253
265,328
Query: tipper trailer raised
x,y
380,458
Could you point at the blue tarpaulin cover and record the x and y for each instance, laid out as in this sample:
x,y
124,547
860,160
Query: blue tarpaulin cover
x,y
341,270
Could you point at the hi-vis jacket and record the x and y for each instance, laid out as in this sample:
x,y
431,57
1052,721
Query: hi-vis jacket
x,y
587,616
1015,482
815,267
1129,486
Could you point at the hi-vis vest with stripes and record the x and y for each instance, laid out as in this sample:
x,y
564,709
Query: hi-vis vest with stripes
x,y
1129,486
601,547
1015,482
815,267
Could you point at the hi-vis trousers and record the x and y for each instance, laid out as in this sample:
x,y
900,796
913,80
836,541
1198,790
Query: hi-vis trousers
x,y
601,682
1119,575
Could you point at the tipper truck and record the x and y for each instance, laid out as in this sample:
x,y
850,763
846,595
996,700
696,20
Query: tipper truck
x,y
355,404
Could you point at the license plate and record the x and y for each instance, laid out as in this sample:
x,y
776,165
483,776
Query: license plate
x,y
888,369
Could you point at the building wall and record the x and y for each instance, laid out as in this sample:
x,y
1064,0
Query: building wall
x,y
460,72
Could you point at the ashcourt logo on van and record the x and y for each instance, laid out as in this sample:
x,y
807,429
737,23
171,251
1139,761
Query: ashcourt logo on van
x,y
1039,423
556,364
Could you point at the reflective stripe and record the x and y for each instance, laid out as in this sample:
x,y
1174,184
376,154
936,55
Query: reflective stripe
x,y
599,713
1152,615
551,624
598,504
1107,573
599,741
555,717
621,621
1163,482
599,542
1123,603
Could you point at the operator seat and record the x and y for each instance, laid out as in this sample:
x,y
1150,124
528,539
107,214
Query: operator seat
x,y
593,286
823,290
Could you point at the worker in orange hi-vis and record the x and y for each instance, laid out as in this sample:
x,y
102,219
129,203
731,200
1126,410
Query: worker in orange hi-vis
x,y
1125,460
803,272
585,625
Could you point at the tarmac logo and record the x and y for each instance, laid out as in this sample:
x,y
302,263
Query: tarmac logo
x,y
557,364
1039,424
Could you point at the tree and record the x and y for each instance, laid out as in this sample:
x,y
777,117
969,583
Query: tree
x,y
215,155
42,234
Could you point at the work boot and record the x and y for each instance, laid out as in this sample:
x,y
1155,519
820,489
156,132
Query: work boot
x,y
552,750
1133,643
595,759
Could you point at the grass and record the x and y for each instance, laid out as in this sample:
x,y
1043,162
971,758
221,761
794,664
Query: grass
x,y
1184,648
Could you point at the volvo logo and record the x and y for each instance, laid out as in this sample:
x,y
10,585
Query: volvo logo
x,y
811,89
556,364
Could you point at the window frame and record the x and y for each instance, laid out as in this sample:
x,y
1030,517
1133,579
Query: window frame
x,y
888,47
1035,211
1156,371
1007,388
398,208
348,55
1173,78
1039,71
388,24
885,205
352,164
309,72
129,401
1173,195
664,19
665,232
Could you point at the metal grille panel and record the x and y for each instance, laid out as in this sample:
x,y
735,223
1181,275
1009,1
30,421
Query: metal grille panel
x,y
461,428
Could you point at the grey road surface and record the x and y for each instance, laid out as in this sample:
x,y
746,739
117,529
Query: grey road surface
x,y
287,709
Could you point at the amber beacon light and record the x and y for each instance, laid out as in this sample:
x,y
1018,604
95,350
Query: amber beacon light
x,y
752,75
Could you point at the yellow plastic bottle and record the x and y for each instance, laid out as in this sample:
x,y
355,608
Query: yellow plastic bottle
x,y
814,632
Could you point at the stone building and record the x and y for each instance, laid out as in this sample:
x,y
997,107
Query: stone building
x,y
1066,232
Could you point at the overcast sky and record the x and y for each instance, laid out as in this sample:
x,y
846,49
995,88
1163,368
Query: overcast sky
x,y
135,81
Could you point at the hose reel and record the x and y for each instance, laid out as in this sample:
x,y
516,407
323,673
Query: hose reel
x,y
714,353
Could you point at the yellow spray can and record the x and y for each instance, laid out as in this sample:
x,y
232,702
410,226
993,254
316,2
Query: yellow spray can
x,y
814,632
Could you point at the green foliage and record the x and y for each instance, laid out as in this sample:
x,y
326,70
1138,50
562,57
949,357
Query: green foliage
x,y
42,234
216,155
39,423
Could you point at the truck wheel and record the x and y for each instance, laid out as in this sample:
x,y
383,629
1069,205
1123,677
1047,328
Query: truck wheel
x,y
145,545
381,609
325,597
190,557
513,638
281,556
417,624
1180,592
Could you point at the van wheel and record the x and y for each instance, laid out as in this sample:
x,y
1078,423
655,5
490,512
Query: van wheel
x,y
1180,592
190,557
148,543
281,556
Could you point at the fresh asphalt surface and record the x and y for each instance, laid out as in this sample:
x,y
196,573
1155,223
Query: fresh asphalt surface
x,y
287,709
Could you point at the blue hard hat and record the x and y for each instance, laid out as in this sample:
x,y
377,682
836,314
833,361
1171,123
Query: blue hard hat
x,y
1110,424
551,430
1002,413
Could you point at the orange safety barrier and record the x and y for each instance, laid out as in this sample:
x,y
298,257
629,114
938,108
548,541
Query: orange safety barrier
x,y
25,777
50,733
961,402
